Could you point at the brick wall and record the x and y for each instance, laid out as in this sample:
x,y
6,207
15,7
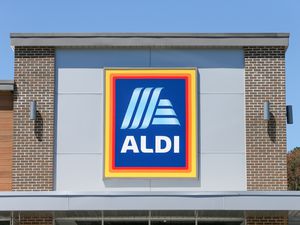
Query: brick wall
x,y
33,140
267,220
265,140
33,220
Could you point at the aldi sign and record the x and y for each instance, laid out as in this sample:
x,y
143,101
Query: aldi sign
x,y
150,123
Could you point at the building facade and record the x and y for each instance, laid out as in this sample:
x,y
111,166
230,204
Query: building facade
x,y
56,163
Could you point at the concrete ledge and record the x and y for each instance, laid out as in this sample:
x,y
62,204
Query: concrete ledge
x,y
69,201
6,85
150,39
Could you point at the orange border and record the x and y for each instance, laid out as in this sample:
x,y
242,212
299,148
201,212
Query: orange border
x,y
190,172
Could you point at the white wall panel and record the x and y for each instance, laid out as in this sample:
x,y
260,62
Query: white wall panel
x,y
80,80
222,123
80,123
79,172
221,80
224,172
84,172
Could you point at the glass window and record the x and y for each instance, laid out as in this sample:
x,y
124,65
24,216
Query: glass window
x,y
170,222
4,222
219,223
88,222
125,222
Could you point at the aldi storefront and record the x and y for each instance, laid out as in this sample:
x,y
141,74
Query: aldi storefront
x,y
148,129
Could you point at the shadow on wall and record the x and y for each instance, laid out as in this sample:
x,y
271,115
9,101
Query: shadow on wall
x,y
38,126
15,93
272,128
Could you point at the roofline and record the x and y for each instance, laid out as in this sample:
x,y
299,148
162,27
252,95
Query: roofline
x,y
150,39
6,85
199,35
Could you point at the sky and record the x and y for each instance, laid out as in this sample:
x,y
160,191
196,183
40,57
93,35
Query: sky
x,y
220,16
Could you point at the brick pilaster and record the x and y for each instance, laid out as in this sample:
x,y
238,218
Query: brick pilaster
x,y
265,140
33,140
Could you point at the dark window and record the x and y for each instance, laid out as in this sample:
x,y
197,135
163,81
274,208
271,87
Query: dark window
x,y
170,222
4,222
219,223
125,222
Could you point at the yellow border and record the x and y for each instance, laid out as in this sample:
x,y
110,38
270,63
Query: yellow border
x,y
193,126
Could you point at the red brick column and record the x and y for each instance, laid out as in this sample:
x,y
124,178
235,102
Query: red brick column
x,y
267,220
33,143
33,140
265,140
35,220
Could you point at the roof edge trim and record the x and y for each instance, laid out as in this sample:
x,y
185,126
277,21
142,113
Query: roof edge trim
x,y
6,85
150,39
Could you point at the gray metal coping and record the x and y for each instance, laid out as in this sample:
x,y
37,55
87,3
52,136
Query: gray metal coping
x,y
73,201
150,39
6,85
147,193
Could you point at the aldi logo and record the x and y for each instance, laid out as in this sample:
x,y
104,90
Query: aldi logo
x,y
150,123
168,111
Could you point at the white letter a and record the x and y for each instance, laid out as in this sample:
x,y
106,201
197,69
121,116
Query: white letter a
x,y
126,146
